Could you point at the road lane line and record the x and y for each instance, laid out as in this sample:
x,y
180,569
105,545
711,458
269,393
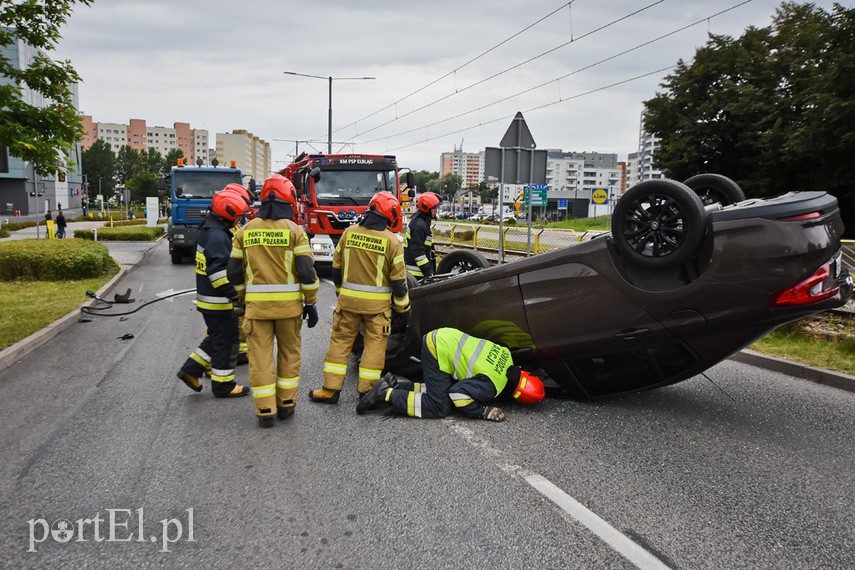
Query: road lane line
x,y
634,553
619,542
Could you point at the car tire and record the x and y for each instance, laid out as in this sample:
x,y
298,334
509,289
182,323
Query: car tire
x,y
176,256
658,224
462,260
715,188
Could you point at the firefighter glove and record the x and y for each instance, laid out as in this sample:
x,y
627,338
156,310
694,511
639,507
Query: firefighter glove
x,y
238,307
310,314
492,414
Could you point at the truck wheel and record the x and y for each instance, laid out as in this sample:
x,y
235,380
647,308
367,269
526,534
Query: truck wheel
x,y
715,188
462,260
658,224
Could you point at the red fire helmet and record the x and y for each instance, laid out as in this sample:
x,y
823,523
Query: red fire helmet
x,y
386,205
428,201
530,389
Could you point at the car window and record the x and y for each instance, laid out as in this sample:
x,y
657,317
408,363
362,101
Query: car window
x,y
630,370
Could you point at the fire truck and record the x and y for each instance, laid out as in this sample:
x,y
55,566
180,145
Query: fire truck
x,y
334,191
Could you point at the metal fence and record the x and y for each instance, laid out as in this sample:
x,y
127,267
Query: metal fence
x,y
516,239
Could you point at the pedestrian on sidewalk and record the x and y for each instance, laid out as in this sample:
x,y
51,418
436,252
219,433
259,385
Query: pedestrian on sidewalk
x,y
60,225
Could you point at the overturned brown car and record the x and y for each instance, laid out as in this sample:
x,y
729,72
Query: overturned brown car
x,y
691,273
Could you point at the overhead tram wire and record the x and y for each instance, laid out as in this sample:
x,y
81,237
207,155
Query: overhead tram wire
x,y
537,108
557,79
458,68
518,65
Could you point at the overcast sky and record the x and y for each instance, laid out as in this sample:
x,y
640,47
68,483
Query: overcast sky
x,y
218,64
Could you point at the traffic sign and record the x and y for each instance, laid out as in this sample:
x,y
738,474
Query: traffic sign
x,y
600,196
536,195
562,204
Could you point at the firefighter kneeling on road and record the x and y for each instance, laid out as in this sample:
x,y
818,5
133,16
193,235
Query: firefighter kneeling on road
x,y
370,278
419,252
272,259
216,299
460,372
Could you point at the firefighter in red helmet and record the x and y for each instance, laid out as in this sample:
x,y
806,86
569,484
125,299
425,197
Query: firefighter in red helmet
x,y
272,260
460,372
370,281
419,253
217,300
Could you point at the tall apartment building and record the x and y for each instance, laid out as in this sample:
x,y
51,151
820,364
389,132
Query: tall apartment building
x,y
572,178
640,163
468,165
252,154
139,136
22,189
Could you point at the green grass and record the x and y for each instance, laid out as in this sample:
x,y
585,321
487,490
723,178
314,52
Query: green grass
x,y
600,223
800,342
32,305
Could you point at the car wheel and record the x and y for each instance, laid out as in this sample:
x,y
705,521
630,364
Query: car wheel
x,y
176,256
462,260
715,188
658,223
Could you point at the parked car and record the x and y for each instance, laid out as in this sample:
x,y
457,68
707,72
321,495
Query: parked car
x,y
691,273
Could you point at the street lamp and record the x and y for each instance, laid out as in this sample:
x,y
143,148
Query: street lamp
x,y
330,79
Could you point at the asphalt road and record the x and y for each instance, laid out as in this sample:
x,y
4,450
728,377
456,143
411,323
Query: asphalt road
x,y
746,469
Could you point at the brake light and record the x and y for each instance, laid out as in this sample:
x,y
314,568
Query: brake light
x,y
810,216
811,290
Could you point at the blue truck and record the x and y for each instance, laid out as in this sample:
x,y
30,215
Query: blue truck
x,y
191,191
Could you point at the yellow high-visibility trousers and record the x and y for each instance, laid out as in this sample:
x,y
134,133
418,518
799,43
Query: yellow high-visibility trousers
x,y
273,387
344,330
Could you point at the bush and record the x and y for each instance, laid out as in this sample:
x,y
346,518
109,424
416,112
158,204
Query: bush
x,y
54,260
129,233
134,222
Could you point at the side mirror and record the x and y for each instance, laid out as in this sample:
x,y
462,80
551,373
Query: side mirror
x,y
411,182
411,193
315,173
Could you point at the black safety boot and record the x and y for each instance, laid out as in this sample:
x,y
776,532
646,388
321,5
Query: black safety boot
x,y
373,398
192,382
324,396
266,421
284,413
242,358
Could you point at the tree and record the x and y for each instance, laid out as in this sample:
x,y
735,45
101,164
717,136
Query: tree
x,y
448,185
45,135
129,163
773,109
423,177
142,185
152,161
99,167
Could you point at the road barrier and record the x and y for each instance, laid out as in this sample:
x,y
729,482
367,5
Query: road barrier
x,y
515,239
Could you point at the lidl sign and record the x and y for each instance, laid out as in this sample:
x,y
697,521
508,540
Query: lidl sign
x,y
600,196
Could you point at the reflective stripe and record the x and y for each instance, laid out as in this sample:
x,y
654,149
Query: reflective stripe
x,y
470,366
421,260
429,241
302,250
217,276
335,368
366,288
210,299
311,286
263,391
214,306
360,295
378,274
414,404
398,259
272,288
236,253
220,282
222,375
369,373
201,357
402,301
419,387
414,269
287,383
460,400
274,296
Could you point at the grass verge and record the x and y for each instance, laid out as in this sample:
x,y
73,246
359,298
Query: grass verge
x,y
33,305
800,342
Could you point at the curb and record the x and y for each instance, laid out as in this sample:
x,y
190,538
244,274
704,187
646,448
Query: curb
x,y
39,338
822,376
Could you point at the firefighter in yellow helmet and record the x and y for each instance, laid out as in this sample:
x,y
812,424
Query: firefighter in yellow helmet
x,y
461,372
272,259
217,300
370,280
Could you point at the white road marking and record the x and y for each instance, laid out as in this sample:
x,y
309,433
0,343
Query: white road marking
x,y
610,535
619,542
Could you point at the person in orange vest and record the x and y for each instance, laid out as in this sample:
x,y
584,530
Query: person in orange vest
x,y
370,280
460,372
272,261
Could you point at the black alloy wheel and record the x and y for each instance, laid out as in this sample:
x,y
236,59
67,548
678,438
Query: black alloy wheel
x,y
658,223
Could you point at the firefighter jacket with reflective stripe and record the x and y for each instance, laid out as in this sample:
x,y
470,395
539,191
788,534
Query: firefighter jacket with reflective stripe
x,y
373,276
214,292
419,253
463,356
272,260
